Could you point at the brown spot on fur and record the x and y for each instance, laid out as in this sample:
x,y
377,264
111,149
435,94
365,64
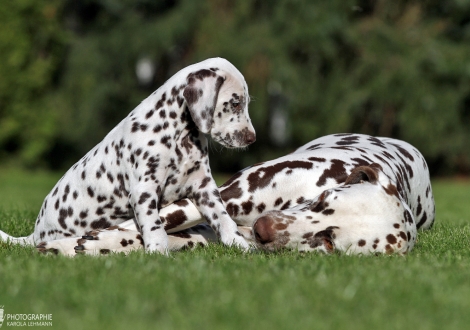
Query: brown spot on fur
x,y
263,176
280,226
403,236
247,207
232,191
232,209
391,190
175,219
192,94
391,239
328,212
141,240
181,203
320,204
100,224
204,182
403,151
336,171
286,205
409,218
422,221
315,146
300,200
317,159
307,235
261,207
419,208
348,140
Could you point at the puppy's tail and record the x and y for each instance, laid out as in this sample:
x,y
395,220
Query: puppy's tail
x,y
27,240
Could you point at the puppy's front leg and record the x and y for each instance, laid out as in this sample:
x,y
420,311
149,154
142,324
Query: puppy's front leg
x,y
207,199
144,200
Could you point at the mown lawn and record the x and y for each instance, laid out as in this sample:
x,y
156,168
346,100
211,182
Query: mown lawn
x,y
221,288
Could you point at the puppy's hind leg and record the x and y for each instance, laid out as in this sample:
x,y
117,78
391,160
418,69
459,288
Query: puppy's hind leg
x,y
124,240
112,239
64,246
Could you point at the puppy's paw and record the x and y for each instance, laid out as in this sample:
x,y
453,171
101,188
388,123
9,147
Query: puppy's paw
x,y
237,240
107,241
64,246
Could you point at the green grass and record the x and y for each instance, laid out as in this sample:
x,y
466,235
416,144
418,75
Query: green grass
x,y
221,288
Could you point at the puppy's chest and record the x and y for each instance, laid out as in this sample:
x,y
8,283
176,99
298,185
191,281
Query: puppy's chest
x,y
182,169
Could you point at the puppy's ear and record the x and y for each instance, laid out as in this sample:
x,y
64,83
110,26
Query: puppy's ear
x,y
368,173
201,94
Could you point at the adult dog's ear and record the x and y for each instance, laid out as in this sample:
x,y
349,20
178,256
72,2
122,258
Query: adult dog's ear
x,y
368,173
201,94
324,240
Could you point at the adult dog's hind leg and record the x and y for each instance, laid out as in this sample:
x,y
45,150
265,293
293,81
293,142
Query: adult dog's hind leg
x,y
199,235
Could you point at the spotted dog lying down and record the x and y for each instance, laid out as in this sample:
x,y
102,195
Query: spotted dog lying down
x,y
157,155
348,192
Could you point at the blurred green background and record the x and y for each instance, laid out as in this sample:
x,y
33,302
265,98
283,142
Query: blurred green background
x,y
71,70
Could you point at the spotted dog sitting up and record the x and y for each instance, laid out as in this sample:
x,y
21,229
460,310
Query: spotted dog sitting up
x,y
157,155
346,192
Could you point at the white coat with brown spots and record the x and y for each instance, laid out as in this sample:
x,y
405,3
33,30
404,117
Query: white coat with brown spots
x,y
156,156
347,192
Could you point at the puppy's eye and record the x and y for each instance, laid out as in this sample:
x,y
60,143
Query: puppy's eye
x,y
236,104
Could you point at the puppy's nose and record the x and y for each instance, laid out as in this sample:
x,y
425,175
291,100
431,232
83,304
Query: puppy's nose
x,y
263,230
250,137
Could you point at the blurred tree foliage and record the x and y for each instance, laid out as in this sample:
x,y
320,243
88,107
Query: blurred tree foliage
x,y
391,68
32,44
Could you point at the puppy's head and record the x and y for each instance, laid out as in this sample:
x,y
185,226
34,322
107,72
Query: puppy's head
x,y
217,98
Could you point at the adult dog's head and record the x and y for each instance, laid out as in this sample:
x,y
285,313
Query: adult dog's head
x,y
217,98
364,215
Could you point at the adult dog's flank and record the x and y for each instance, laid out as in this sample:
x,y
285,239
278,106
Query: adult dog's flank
x,y
345,192
157,155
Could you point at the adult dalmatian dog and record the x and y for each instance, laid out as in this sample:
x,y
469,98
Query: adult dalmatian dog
x,y
345,192
157,155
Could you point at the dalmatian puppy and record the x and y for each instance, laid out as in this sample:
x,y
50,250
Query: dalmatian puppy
x,y
345,192
157,155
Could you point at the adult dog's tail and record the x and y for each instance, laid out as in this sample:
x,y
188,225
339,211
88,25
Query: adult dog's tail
x,y
27,240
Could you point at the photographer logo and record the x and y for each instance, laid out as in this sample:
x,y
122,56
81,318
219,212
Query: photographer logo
x,y
24,320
